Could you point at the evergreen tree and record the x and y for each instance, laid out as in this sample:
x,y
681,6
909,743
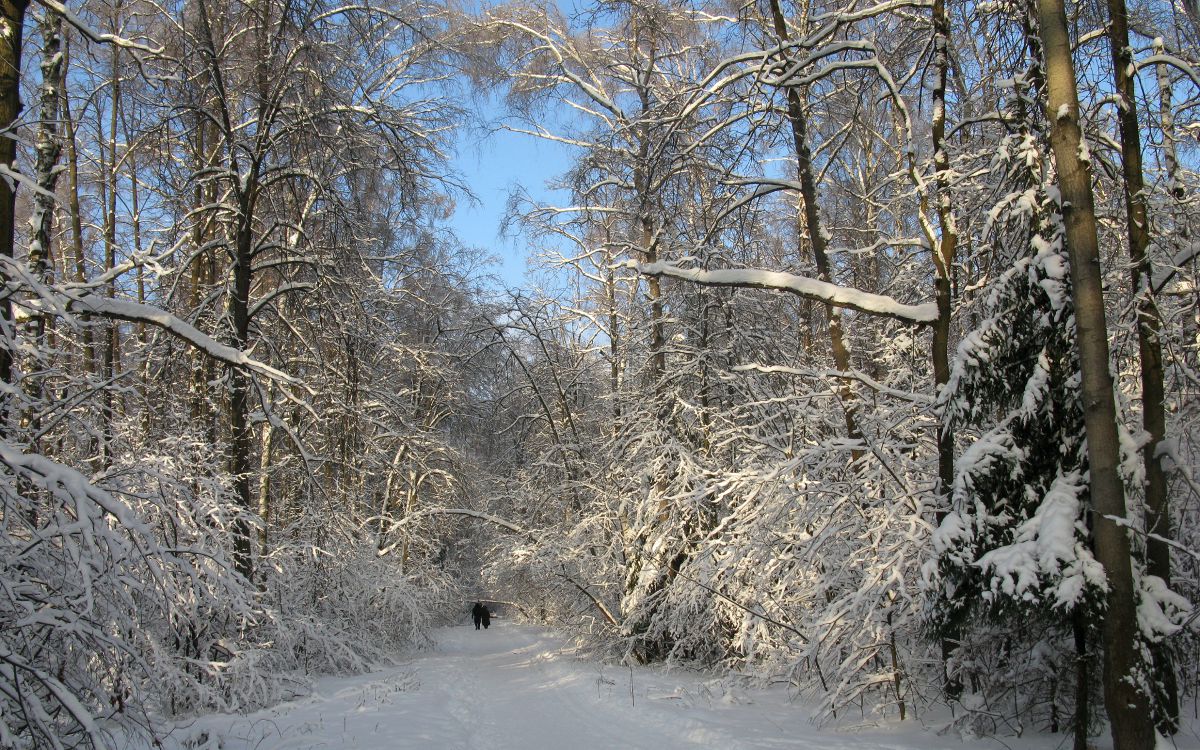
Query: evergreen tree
x,y
1015,543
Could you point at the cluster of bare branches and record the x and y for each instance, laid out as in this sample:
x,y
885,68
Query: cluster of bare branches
x,y
848,283
226,354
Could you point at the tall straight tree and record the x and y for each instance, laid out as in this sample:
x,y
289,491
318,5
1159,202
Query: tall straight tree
x,y
1127,706
1150,356
12,25
294,124
944,252
813,232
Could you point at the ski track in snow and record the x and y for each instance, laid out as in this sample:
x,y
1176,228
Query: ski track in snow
x,y
516,687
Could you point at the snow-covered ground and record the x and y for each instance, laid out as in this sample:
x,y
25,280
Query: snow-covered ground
x,y
516,687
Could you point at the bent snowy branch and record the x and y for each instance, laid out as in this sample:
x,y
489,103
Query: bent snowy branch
x,y
135,312
862,377
99,38
822,291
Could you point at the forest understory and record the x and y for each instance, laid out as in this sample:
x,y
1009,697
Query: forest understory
x,y
860,352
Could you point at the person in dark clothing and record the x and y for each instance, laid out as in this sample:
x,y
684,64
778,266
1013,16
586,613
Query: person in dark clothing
x,y
478,612
487,618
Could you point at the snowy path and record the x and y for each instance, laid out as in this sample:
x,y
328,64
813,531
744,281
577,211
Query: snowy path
x,y
514,687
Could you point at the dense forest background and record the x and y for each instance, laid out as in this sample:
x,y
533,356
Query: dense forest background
x,y
864,357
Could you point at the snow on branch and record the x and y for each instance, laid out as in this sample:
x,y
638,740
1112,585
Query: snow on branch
x,y
63,481
507,526
822,291
1126,523
1176,62
1164,275
494,520
32,675
95,36
862,377
136,312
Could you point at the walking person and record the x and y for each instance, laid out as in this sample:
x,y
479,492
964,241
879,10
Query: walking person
x,y
478,613
486,616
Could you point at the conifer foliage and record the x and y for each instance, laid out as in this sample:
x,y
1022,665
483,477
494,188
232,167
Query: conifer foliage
x,y
1015,546
798,391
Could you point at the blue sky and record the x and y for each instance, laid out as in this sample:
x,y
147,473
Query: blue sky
x,y
492,166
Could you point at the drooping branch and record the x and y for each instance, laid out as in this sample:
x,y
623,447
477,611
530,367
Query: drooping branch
x,y
56,301
856,375
801,286
92,35
135,312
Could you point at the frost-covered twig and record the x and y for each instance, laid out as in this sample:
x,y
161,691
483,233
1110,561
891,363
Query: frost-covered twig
x,y
1129,524
100,38
862,377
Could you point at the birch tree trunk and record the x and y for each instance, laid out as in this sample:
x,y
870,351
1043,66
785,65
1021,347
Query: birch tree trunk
x,y
943,261
48,147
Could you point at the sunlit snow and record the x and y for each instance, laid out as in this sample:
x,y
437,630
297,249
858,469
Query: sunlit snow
x,y
523,687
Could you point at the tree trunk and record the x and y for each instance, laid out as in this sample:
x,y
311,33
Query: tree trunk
x,y
241,431
649,248
12,23
944,255
1132,727
41,219
1154,421
943,261
135,228
201,273
1166,116
812,221
79,270
264,490
112,343
1083,682
410,504
614,346
48,148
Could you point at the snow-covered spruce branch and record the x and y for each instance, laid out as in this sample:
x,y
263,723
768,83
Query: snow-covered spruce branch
x,y
814,289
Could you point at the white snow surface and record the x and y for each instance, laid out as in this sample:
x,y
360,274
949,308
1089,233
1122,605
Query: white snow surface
x,y
524,687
